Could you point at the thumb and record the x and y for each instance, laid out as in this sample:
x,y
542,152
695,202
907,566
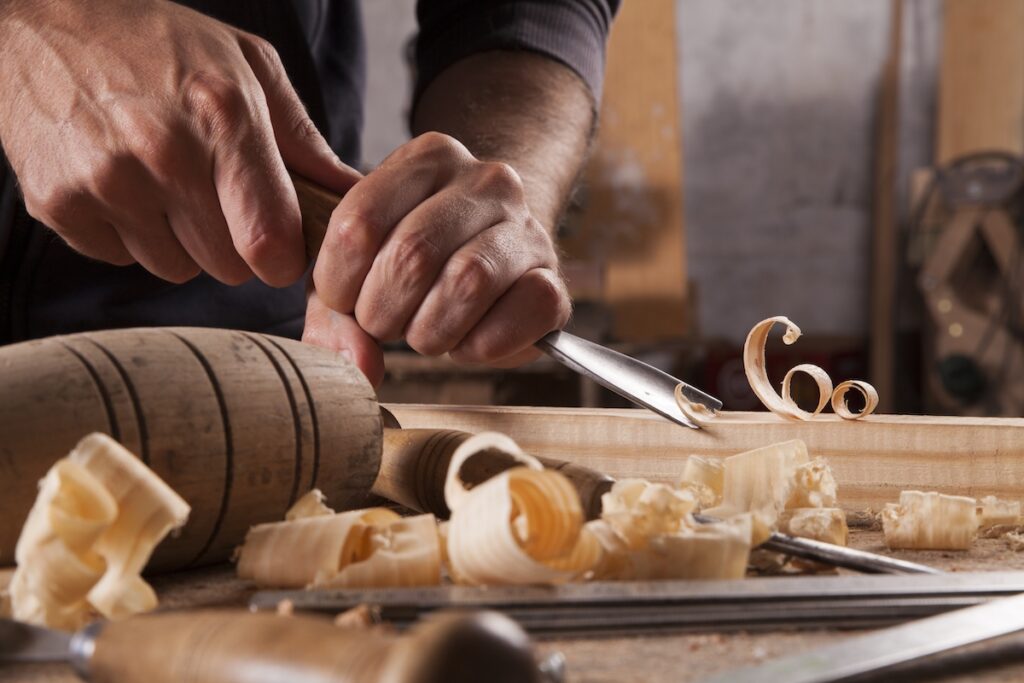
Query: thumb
x,y
303,149
341,333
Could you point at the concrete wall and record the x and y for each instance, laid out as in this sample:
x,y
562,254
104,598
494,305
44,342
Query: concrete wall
x,y
778,110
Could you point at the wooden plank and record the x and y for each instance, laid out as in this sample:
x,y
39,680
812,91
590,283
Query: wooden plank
x,y
981,90
873,459
633,220
884,242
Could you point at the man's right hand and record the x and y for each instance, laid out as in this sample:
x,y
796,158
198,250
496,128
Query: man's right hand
x,y
142,131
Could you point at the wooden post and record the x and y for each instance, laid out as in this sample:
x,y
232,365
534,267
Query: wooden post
x,y
633,223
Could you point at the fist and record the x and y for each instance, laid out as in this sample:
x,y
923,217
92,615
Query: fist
x,y
440,248
142,131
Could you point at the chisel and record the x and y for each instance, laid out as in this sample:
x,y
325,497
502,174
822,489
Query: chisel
x,y
240,647
876,652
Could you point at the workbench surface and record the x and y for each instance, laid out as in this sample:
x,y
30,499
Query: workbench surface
x,y
658,659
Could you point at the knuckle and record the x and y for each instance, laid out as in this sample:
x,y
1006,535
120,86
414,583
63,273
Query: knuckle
x,y
352,236
425,342
415,257
218,102
302,127
111,175
259,246
551,297
472,275
265,49
495,177
433,146
372,317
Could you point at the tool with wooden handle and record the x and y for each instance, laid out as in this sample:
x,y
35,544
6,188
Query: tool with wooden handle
x,y
239,424
241,647
644,385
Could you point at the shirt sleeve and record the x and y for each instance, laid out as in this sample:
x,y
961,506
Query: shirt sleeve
x,y
572,32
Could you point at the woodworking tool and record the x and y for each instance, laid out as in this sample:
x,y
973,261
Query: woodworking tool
x,y
879,651
835,555
240,647
416,461
635,380
631,607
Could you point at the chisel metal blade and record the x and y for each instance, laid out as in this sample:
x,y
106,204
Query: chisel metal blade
x,y
641,383
21,642
884,649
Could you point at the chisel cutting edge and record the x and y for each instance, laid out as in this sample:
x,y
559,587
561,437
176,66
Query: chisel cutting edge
x,y
641,383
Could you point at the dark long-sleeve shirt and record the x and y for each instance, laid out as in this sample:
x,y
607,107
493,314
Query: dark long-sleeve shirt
x,y
47,288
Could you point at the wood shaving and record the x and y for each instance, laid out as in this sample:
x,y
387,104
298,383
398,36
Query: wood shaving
x,y
1015,541
757,373
821,379
359,617
930,521
865,389
827,525
310,505
705,477
761,482
99,514
361,548
994,512
521,526
697,412
784,405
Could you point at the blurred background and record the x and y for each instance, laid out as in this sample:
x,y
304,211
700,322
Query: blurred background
x,y
855,166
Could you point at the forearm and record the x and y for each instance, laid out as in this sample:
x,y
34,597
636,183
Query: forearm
x,y
520,108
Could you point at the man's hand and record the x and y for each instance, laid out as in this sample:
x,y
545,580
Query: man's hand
x,y
141,131
441,249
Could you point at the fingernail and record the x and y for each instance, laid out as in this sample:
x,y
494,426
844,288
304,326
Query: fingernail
x,y
348,355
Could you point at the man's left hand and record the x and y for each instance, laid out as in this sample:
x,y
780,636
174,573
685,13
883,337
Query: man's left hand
x,y
439,248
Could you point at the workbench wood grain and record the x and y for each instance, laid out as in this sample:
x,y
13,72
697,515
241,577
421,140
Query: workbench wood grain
x,y
873,459
670,658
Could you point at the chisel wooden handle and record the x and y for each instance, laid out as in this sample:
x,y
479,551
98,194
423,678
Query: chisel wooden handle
x,y
241,647
316,204
415,464
239,424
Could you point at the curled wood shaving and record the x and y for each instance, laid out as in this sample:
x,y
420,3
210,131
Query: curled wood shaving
x,y
310,505
521,526
362,548
406,552
638,510
821,524
705,478
762,482
865,389
820,378
698,412
359,617
757,373
99,515
930,521
994,512
784,405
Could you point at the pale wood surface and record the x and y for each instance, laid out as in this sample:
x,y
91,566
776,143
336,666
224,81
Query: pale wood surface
x,y
633,222
648,659
981,90
239,424
873,459
884,246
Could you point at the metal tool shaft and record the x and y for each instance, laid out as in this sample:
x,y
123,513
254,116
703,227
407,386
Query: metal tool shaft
x,y
641,383
882,650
